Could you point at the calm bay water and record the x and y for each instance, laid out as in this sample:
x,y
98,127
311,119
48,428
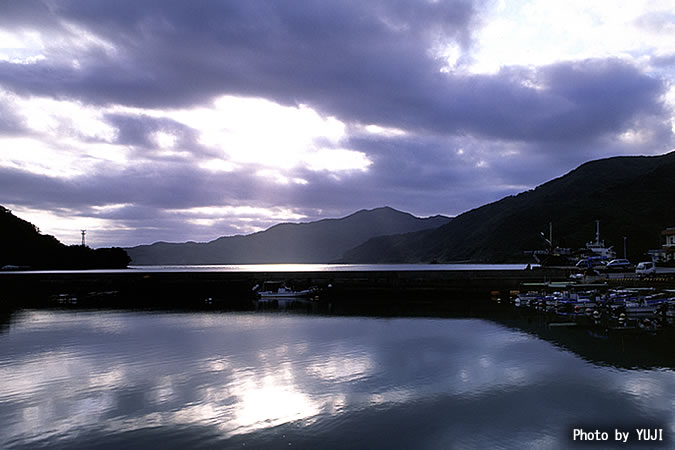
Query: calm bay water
x,y
126,379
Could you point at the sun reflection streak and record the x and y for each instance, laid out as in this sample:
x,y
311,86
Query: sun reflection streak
x,y
271,405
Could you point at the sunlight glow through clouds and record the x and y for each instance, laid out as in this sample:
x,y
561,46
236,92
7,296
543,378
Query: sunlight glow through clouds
x,y
61,118
217,165
243,219
64,158
165,140
241,212
247,131
21,47
279,178
337,159
261,132
384,131
37,157
533,33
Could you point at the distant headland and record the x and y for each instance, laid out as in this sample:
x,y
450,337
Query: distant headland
x,y
24,247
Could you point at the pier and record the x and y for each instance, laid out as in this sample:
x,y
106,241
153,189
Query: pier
x,y
380,289
232,289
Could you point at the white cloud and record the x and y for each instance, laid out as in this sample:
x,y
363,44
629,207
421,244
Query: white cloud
x,y
533,33
61,118
337,160
21,47
38,157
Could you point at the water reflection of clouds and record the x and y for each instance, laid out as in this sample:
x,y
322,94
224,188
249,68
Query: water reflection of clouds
x,y
51,321
652,391
162,392
216,364
344,368
54,394
241,373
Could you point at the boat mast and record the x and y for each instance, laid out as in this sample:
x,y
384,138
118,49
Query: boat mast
x,y
550,236
597,232
549,241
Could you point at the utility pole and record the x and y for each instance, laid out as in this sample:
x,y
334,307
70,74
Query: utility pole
x,y
83,233
549,241
550,237
624,247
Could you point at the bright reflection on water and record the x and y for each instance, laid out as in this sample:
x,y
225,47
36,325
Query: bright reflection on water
x,y
133,379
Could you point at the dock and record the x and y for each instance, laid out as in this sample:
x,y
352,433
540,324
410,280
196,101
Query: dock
x,y
137,288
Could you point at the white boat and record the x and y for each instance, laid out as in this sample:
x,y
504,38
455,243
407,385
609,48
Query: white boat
x,y
272,290
598,248
646,306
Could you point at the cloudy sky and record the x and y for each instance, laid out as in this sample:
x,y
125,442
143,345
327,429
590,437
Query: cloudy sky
x,y
173,120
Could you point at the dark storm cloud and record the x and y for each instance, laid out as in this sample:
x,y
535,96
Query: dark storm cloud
x,y
362,62
154,185
149,185
606,94
170,53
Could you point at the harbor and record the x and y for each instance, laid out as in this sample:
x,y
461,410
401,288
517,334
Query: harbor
x,y
599,307
234,289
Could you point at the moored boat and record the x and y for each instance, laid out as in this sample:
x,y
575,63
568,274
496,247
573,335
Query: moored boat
x,y
272,290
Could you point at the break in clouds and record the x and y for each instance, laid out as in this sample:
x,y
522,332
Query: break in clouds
x,y
171,120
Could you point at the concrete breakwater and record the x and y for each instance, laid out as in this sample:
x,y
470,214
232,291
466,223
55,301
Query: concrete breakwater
x,y
136,288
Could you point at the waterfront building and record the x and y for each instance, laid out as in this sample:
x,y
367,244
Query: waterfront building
x,y
666,254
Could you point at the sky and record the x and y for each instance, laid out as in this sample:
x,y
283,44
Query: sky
x,y
152,120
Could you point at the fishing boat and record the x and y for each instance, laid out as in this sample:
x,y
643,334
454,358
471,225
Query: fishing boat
x,y
275,290
646,306
597,247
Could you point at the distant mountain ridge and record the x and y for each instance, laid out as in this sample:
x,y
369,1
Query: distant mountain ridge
x,y
322,241
631,196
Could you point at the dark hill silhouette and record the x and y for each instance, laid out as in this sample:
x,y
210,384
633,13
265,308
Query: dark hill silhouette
x,y
322,241
22,245
631,196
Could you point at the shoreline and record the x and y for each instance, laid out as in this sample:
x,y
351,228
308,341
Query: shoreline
x,y
379,289
155,288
